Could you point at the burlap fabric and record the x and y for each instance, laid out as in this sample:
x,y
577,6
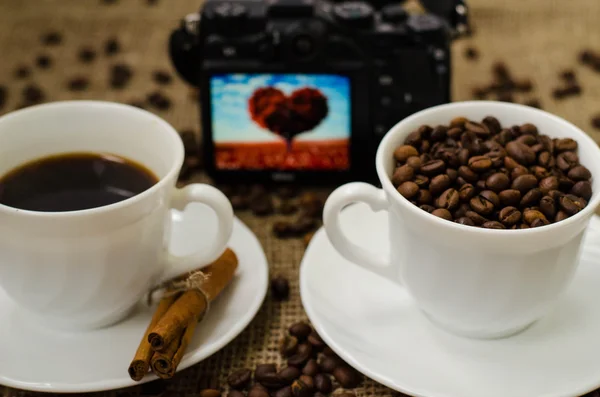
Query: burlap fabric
x,y
536,38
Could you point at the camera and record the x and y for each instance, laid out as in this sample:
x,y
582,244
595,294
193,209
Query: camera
x,y
304,90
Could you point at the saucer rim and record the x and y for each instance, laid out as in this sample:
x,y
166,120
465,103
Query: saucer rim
x,y
342,353
188,360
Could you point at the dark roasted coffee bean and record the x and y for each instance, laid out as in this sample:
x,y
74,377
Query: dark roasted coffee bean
x,y
463,156
439,183
491,196
315,340
112,46
520,152
402,174
263,370
582,189
235,393
579,173
530,215
518,171
32,94
497,182
465,221
258,391
288,345
422,181
439,133
548,207
289,374
271,381
408,189
454,133
497,157
527,139
52,39
210,393
556,194
347,377
476,218
22,72
567,160
479,129
531,198
537,148
510,197
413,139
561,216
449,199
492,124
323,383
78,84
529,128
442,213
481,205
43,61
466,192
308,381
479,164
240,378
458,122
510,163
427,208
452,174
539,172
329,364
433,167
283,392
539,222
468,174
87,55
565,144
524,183
548,183
303,354
462,210
300,389
414,162
480,184
425,157
509,216
493,225
402,153
520,226
121,74
571,204
565,184
300,330
311,368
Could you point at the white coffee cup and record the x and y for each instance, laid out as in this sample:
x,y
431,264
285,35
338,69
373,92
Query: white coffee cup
x,y
474,282
86,269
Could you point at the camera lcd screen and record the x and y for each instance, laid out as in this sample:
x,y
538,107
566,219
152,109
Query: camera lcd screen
x,y
281,121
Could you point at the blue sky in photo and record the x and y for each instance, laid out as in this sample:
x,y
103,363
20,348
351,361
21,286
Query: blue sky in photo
x,y
229,102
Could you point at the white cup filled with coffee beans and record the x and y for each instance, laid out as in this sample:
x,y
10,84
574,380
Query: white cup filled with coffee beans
x,y
488,205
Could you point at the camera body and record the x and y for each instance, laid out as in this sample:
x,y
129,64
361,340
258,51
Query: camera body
x,y
304,90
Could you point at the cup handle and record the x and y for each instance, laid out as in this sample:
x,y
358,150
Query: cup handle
x,y
218,202
350,193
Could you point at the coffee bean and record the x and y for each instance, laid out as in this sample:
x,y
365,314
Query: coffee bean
x,y
240,378
481,205
479,164
408,189
414,162
422,181
402,174
402,153
303,354
530,215
288,345
454,133
518,171
510,163
479,129
492,124
531,198
468,174
571,204
439,183
283,392
263,370
480,184
442,213
565,144
78,84
565,184
348,377
86,55
423,197
538,172
497,182
466,192
311,368
509,216
323,383
465,221
520,152
433,167
315,340
271,381
210,393
458,122
427,208
112,46
524,183
121,74
546,160
477,219
449,199
493,225
329,364
300,389
561,216
439,133
567,160
548,207
582,189
548,183
491,196
300,330
258,391
527,139
510,197
52,38
413,139
289,374
308,381
579,173
540,222
162,77
235,393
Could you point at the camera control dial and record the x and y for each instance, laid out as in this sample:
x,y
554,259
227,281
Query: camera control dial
x,y
356,14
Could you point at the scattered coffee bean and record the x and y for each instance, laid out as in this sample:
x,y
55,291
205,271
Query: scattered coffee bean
x,y
32,94
348,377
471,53
288,345
52,39
78,84
240,378
86,55
329,364
263,370
315,340
258,391
162,77
308,381
112,46
283,392
289,374
43,61
302,355
272,381
280,288
323,383
22,72
120,75
300,389
311,368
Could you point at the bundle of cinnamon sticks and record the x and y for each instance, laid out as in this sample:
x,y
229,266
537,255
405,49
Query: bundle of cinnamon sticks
x,y
175,319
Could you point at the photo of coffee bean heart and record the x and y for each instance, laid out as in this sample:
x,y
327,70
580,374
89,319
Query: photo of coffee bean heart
x,y
288,116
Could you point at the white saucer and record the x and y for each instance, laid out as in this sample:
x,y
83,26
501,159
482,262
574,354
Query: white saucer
x,y
374,326
34,359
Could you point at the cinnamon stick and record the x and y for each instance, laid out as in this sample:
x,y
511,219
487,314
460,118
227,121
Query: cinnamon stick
x,y
141,361
191,305
164,364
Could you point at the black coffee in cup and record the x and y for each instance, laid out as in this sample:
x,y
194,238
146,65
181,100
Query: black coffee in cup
x,y
74,181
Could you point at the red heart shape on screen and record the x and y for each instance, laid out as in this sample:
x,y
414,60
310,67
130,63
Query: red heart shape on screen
x,y
288,116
